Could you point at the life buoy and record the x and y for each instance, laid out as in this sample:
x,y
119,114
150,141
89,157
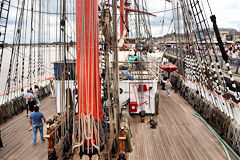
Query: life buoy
x,y
7,110
197,103
186,93
1,114
21,103
14,104
4,110
11,109
18,105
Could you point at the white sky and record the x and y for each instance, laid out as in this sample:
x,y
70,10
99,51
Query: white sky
x,y
226,11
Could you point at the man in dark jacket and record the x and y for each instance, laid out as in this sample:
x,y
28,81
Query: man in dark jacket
x,y
26,95
31,106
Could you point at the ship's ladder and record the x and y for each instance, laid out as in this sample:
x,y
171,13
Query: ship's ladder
x,y
4,12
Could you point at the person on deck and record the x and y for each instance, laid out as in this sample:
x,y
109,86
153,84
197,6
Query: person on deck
x,y
230,49
168,86
31,105
26,95
1,143
31,90
226,49
35,120
234,57
35,93
52,88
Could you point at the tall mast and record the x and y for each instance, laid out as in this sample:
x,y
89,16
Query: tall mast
x,y
116,68
63,30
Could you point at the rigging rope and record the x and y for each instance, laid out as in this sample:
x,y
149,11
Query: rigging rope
x,y
50,13
24,32
16,40
211,78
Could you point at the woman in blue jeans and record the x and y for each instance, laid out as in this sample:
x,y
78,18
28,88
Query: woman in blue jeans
x,y
168,86
36,118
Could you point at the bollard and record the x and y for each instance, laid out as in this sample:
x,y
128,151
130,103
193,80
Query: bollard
x,y
122,143
51,150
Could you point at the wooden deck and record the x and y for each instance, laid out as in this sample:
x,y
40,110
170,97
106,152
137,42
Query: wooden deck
x,y
18,139
178,136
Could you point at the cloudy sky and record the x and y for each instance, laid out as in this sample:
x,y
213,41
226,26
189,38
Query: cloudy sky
x,y
226,11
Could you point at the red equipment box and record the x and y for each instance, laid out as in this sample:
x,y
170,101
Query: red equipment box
x,y
133,107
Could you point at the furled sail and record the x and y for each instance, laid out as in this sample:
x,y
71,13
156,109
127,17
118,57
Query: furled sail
x,y
88,77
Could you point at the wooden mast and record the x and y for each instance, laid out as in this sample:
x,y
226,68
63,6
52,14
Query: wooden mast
x,y
116,106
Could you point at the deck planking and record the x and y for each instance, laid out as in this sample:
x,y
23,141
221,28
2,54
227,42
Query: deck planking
x,y
18,139
178,136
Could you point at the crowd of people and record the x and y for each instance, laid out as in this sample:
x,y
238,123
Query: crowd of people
x,y
31,99
32,107
35,117
233,51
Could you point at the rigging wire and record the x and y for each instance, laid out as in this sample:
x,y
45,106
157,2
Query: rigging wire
x,y
165,10
41,12
209,7
20,55
34,34
15,40
163,16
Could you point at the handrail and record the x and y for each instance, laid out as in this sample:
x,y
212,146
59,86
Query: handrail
x,y
14,90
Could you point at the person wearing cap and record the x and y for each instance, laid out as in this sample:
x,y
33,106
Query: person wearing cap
x,y
26,95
